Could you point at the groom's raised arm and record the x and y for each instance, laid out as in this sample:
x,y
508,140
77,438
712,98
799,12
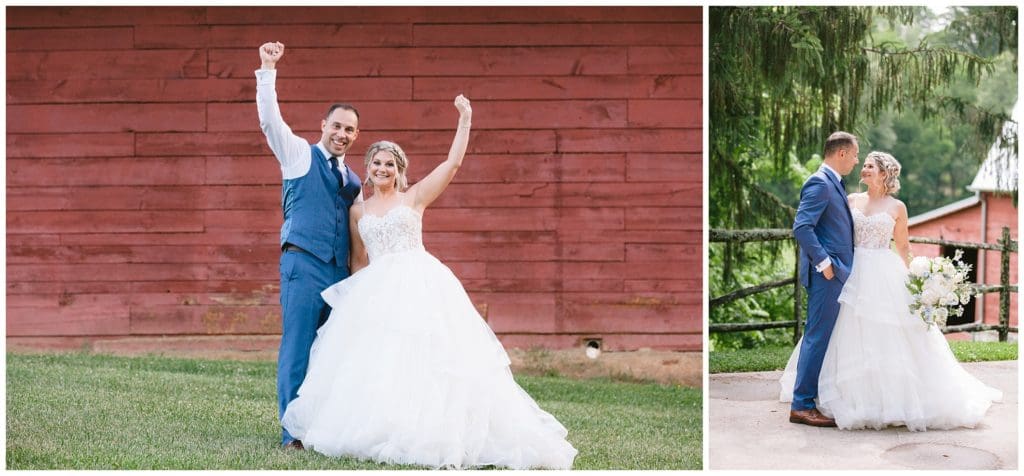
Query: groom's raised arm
x,y
291,150
813,201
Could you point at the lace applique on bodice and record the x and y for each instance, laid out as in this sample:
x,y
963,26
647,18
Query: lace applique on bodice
x,y
873,231
400,229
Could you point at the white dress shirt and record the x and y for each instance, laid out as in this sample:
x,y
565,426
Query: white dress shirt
x,y
291,150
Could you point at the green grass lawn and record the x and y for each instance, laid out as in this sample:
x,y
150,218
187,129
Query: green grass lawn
x,y
86,411
775,358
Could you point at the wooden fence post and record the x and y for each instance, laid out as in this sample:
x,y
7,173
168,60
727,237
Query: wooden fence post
x,y
1004,292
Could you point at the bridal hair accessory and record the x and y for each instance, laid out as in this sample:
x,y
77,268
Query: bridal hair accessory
x,y
938,287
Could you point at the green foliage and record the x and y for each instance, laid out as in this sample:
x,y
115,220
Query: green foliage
x,y
773,305
783,78
82,411
775,357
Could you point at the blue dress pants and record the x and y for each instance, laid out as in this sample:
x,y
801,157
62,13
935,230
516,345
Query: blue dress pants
x,y
303,311
822,311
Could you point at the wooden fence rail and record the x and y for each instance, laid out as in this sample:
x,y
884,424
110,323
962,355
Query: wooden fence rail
x,y
1005,246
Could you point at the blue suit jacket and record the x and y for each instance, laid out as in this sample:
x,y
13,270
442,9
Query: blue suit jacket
x,y
824,226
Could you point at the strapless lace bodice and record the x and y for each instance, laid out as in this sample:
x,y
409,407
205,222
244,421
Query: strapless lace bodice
x,y
400,229
873,231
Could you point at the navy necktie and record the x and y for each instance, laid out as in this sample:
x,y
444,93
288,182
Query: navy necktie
x,y
337,173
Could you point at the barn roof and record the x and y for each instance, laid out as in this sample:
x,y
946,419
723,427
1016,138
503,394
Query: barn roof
x,y
999,171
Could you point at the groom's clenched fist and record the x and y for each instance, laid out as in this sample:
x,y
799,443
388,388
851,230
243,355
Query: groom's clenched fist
x,y
270,53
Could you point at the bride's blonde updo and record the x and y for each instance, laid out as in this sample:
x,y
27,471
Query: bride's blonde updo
x,y
401,162
890,170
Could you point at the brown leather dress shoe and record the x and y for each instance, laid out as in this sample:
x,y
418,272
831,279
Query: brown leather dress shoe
x,y
294,445
811,417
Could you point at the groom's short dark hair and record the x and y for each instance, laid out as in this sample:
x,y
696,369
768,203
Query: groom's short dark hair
x,y
839,140
341,105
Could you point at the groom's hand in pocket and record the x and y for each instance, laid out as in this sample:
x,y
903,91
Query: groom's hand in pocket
x,y
828,272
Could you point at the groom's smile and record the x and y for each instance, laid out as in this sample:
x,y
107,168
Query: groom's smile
x,y
340,130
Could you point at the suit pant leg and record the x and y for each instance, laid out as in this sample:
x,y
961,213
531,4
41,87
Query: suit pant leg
x,y
303,311
822,311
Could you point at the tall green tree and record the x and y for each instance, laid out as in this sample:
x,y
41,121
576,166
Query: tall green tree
x,y
783,78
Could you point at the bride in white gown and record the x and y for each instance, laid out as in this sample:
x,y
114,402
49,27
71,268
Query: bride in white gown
x,y
405,370
883,366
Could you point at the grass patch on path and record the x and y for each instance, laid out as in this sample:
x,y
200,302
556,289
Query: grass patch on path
x,y
88,411
775,358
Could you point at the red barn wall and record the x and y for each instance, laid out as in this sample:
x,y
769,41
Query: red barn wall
x,y
142,199
965,225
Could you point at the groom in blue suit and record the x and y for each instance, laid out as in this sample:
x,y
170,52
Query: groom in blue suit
x,y
317,191
824,230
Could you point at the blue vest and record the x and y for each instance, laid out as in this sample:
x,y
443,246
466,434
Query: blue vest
x,y
316,210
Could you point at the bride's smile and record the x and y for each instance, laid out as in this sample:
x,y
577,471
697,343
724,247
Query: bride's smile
x,y
382,169
868,171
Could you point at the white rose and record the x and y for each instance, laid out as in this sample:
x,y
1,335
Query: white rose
x,y
930,296
919,266
948,269
939,284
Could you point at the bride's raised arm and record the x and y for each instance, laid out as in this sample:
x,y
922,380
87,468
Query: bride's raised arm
x,y
427,190
900,233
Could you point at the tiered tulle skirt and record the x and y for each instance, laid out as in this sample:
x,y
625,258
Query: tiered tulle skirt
x,y
406,371
884,366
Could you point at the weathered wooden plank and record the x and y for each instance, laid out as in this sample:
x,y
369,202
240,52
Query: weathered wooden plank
x,y
116,252
56,145
560,87
295,36
441,115
205,319
320,90
121,64
666,60
514,61
36,17
664,167
452,14
221,144
107,221
55,39
115,272
666,218
112,171
558,34
666,113
178,117
630,140
661,252
97,200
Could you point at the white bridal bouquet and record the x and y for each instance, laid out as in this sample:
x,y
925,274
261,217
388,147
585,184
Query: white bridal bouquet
x,y
939,288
